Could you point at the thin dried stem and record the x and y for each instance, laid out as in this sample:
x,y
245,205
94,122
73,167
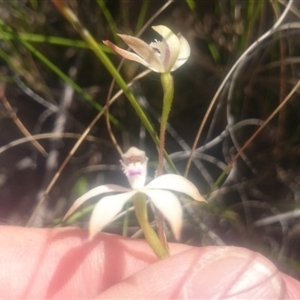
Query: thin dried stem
x,y
50,135
279,107
20,125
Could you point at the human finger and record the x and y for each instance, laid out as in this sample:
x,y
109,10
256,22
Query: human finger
x,y
205,273
61,263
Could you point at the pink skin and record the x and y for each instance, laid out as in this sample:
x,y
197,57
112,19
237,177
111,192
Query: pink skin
x,y
61,264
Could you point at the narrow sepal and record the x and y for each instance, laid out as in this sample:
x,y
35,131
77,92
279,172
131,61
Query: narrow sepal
x,y
107,188
169,205
175,183
105,211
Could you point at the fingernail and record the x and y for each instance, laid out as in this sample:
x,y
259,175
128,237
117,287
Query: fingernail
x,y
234,273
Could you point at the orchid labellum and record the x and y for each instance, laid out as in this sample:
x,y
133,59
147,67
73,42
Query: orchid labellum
x,y
160,191
160,56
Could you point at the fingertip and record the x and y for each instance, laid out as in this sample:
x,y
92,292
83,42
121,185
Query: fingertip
x,y
205,273
63,263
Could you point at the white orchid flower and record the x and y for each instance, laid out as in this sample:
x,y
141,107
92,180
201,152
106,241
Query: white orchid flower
x,y
157,191
160,56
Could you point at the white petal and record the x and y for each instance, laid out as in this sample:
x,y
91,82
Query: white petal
x,y
146,54
126,54
169,205
107,188
105,210
175,183
171,47
184,52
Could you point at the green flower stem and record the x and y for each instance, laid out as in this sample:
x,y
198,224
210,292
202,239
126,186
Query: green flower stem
x,y
168,89
140,206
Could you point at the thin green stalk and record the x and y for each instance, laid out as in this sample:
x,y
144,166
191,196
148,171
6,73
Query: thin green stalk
x,y
124,5
76,216
142,16
191,4
140,207
168,89
63,76
110,20
219,180
51,40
